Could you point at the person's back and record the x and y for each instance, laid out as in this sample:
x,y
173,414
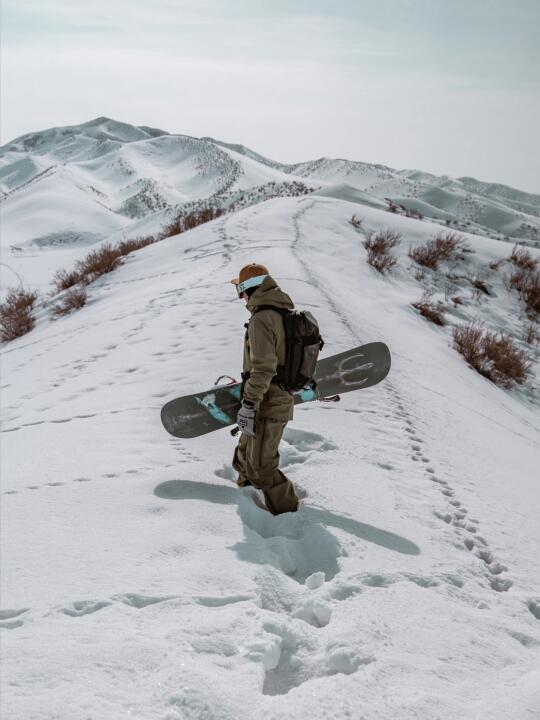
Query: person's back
x,y
266,406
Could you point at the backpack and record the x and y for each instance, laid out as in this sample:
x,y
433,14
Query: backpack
x,y
303,345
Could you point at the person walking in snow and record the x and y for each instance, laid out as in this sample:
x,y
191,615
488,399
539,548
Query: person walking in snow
x,y
266,406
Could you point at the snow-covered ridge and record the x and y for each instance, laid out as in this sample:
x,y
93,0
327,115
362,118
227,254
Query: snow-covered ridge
x,y
66,188
138,581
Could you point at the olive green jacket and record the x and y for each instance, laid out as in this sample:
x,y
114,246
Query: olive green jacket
x,y
264,350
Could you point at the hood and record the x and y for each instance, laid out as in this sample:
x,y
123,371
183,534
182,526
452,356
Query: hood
x,y
269,293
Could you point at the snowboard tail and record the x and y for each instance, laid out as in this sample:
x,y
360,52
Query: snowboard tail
x,y
201,413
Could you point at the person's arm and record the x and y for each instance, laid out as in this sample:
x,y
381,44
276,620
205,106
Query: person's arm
x,y
263,357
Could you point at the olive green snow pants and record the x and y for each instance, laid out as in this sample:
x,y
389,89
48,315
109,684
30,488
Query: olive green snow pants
x,y
256,459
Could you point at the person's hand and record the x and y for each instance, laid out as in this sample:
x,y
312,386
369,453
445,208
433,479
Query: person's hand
x,y
246,418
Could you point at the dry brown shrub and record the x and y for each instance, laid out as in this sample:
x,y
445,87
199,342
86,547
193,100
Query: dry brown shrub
x,y
174,228
527,284
431,310
532,334
16,314
190,221
379,246
64,279
445,246
531,294
98,262
74,299
479,282
493,354
457,300
127,246
517,280
523,259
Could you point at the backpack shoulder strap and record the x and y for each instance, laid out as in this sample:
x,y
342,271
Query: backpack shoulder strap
x,y
281,311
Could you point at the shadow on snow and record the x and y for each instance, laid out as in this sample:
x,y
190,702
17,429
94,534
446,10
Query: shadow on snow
x,y
297,543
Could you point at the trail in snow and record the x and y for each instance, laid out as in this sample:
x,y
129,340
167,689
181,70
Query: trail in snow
x,y
187,599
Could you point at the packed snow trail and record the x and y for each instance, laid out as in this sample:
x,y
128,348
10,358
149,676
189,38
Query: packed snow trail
x,y
139,580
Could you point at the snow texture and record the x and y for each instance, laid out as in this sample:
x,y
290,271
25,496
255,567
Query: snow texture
x,y
139,581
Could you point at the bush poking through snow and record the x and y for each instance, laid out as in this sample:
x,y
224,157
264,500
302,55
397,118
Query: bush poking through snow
x,y
127,246
527,284
493,354
64,279
479,283
444,247
379,246
190,221
532,334
74,299
523,259
433,311
356,222
16,314
531,294
99,262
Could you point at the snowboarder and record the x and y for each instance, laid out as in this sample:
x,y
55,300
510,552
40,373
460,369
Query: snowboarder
x,y
266,407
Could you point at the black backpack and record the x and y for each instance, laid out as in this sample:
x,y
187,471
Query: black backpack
x,y
304,343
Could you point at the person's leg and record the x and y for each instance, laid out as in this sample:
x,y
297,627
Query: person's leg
x,y
239,461
262,467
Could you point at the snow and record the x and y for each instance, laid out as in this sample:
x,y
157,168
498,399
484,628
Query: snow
x,y
66,188
138,581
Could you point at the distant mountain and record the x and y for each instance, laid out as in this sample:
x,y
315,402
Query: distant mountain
x,y
70,187
480,207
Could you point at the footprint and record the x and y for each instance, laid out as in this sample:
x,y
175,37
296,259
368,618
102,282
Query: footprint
x,y
446,517
227,472
345,660
11,619
534,607
501,584
85,607
210,601
141,601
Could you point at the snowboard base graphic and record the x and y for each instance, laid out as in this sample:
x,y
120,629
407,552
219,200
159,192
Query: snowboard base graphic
x,y
194,415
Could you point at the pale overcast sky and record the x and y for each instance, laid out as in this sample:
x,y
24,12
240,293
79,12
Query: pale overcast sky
x,y
447,86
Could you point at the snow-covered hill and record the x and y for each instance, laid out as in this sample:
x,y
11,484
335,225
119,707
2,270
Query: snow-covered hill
x,y
489,209
138,581
65,189
68,188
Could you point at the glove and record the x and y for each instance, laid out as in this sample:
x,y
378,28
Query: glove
x,y
246,418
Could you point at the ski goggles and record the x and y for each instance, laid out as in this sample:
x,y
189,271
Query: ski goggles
x,y
250,283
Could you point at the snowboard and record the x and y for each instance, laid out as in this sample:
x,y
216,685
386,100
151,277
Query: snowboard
x,y
194,415
201,413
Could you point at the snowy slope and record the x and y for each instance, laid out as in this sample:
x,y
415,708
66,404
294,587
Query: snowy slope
x,y
67,188
138,581
64,189
484,208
